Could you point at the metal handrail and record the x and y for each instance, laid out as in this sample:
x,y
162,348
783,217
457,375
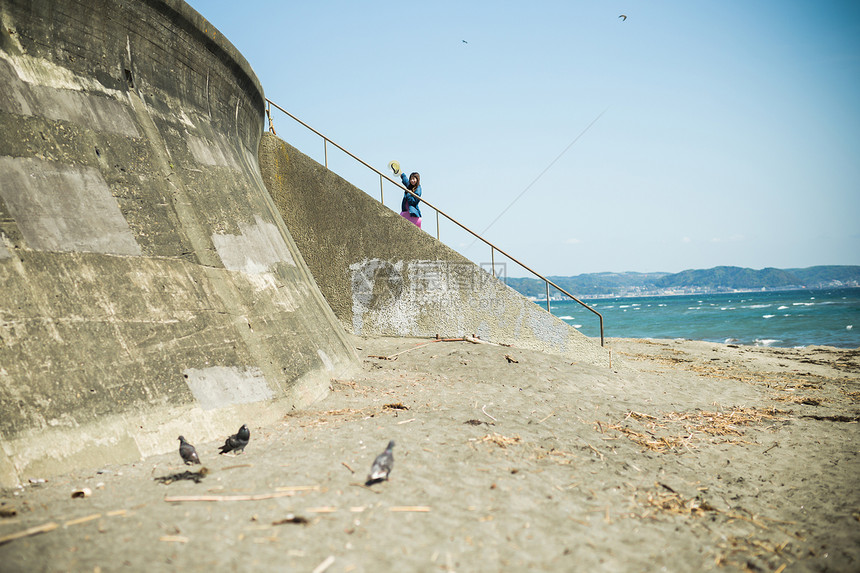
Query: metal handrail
x,y
326,141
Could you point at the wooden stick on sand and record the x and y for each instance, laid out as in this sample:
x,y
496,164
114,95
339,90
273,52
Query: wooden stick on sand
x,y
28,532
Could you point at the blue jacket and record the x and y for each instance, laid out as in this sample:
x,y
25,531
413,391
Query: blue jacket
x,y
409,202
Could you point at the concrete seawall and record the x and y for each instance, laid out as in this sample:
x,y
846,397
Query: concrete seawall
x,y
148,284
383,276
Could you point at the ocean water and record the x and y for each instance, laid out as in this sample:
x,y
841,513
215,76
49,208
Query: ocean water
x,y
788,319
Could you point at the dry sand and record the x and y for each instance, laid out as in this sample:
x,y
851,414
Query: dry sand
x,y
685,456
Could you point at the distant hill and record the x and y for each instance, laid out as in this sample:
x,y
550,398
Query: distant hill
x,y
717,279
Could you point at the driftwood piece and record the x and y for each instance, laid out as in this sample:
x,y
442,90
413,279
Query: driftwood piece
x,y
28,532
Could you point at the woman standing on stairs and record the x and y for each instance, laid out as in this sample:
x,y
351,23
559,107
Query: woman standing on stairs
x,y
409,205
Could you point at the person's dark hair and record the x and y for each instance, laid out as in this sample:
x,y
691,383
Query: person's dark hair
x,y
417,180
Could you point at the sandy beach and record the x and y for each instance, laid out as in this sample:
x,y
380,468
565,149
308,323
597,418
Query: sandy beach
x,y
684,456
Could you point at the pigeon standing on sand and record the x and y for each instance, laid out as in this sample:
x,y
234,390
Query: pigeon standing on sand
x,y
381,465
237,442
187,452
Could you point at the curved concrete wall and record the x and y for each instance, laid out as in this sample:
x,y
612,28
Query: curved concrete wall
x,y
383,276
148,284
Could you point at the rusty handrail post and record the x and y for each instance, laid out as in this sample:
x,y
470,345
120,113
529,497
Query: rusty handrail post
x,y
450,218
269,115
493,260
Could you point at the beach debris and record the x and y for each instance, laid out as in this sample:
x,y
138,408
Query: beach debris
x,y
187,452
475,340
838,418
237,442
381,468
327,562
295,488
805,400
292,518
474,422
218,498
500,440
395,406
44,528
666,500
83,492
7,510
233,467
414,508
196,477
174,538
511,359
680,430
483,409
82,520
346,465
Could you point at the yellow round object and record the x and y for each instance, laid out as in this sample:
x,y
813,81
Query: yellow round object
x,y
395,166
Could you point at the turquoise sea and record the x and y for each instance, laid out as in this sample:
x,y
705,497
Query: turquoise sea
x,y
786,319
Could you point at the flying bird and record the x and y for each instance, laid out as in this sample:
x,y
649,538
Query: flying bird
x,y
623,17
187,452
237,442
381,466
465,42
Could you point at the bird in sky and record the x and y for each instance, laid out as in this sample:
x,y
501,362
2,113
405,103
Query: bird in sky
x,y
465,42
381,465
623,17
237,442
187,452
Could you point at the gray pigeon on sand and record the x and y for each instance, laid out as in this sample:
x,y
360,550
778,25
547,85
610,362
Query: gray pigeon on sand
x,y
237,442
381,465
187,452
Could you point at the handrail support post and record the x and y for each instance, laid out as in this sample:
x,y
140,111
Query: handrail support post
x,y
493,260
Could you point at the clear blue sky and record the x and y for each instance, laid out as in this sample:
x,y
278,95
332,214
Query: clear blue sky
x,y
729,134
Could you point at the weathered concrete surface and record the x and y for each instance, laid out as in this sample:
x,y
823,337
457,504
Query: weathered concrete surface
x,y
148,284
383,276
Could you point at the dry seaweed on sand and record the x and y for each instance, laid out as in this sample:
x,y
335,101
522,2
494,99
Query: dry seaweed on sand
x,y
806,400
196,477
751,554
500,440
663,499
673,431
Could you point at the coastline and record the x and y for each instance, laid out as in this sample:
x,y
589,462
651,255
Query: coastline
x,y
702,292
786,319
684,456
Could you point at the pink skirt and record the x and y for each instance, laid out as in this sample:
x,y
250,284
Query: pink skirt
x,y
416,220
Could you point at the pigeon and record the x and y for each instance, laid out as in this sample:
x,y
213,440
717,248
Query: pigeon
x,y
381,467
237,442
187,452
